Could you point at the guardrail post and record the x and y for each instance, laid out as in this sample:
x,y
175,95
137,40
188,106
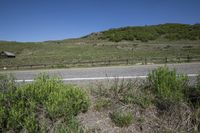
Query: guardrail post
x,y
127,61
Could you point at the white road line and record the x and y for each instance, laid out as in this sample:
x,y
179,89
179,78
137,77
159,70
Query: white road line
x,y
192,75
26,80
101,78
92,78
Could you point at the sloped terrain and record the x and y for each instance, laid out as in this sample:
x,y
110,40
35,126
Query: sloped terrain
x,y
167,40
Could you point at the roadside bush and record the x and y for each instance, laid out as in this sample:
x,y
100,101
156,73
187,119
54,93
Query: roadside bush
x,y
121,119
177,102
167,85
23,108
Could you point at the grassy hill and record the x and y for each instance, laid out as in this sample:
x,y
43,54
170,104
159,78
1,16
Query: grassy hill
x,y
169,32
165,40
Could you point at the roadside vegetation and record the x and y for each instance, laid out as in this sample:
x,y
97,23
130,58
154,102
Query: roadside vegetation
x,y
46,105
163,103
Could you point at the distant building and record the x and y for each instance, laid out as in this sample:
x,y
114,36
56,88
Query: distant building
x,y
6,54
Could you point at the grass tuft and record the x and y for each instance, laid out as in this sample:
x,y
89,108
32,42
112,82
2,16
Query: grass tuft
x,y
121,119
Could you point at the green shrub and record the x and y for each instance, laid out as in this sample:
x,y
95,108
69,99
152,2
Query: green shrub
x,y
167,85
69,100
49,98
102,103
122,119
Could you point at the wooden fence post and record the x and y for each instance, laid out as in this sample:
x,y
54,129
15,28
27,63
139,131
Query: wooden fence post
x,y
166,60
145,60
109,62
179,60
188,58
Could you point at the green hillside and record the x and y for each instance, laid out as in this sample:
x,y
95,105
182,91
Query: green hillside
x,y
167,40
168,32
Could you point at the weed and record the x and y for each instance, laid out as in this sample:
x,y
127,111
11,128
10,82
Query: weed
x,y
121,119
127,92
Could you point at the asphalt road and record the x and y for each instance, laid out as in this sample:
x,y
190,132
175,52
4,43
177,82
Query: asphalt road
x,y
103,73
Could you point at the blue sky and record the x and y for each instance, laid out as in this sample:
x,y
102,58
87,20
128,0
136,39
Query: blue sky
x,y
41,20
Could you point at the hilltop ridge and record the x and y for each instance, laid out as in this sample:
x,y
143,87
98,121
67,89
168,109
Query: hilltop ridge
x,y
168,31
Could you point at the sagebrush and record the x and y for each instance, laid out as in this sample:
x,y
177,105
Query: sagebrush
x,y
40,106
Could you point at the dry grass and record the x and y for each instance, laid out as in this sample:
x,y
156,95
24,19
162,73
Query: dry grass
x,y
63,52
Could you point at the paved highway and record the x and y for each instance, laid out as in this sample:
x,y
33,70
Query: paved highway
x,y
102,73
